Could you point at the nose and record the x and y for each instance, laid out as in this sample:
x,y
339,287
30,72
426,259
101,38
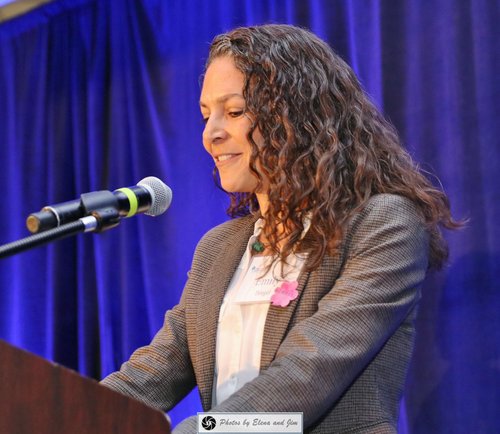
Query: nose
x,y
214,132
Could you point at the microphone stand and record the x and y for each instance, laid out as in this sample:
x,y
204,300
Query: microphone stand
x,y
99,221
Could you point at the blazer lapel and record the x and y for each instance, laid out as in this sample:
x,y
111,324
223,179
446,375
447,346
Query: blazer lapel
x,y
276,324
316,283
212,293
211,296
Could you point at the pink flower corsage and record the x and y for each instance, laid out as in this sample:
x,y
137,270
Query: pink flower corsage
x,y
285,293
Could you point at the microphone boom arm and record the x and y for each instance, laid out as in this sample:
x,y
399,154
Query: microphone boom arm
x,y
99,221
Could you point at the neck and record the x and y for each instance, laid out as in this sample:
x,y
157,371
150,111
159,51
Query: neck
x,y
263,200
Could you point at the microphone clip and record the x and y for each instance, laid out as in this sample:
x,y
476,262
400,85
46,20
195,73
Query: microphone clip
x,y
107,218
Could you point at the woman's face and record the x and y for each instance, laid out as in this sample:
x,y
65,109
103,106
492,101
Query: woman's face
x,y
227,125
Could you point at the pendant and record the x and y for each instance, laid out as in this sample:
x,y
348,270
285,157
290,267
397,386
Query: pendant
x,y
258,247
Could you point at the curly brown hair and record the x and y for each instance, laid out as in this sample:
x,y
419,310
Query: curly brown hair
x,y
327,149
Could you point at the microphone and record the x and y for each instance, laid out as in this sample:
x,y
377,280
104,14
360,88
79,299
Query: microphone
x,y
150,196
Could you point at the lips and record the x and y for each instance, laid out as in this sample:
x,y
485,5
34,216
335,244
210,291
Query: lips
x,y
225,158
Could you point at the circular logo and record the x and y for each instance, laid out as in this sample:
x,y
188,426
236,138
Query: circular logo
x,y
208,423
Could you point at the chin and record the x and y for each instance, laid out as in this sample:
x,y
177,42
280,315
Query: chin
x,y
232,189
237,187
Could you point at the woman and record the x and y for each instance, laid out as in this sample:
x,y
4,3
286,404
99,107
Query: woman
x,y
305,303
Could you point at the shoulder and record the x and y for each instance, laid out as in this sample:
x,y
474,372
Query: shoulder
x,y
384,208
233,231
219,243
388,217
229,228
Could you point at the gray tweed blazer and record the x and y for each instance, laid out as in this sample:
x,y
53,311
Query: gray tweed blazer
x,y
338,353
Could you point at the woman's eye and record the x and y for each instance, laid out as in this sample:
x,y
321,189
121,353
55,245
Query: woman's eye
x,y
235,113
204,120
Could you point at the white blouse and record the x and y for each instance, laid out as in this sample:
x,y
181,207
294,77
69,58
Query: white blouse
x,y
242,317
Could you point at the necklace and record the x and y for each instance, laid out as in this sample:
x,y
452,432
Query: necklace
x,y
258,246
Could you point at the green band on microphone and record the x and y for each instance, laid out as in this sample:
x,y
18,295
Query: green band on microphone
x,y
132,199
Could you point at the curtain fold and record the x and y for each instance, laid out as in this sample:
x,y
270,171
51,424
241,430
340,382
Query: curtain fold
x,y
100,94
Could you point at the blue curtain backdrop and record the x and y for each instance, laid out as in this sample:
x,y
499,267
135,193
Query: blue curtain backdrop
x,y
99,94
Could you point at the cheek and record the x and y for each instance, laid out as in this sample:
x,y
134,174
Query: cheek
x,y
257,136
258,139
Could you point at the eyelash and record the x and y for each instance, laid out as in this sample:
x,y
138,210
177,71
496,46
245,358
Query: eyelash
x,y
233,114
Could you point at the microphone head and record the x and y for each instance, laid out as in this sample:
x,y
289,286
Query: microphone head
x,y
161,195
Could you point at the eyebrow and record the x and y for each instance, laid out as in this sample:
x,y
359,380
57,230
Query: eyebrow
x,y
222,99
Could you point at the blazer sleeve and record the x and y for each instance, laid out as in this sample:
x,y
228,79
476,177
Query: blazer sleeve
x,y
159,374
386,260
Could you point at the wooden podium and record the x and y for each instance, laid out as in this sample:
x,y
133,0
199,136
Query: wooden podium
x,y
37,396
